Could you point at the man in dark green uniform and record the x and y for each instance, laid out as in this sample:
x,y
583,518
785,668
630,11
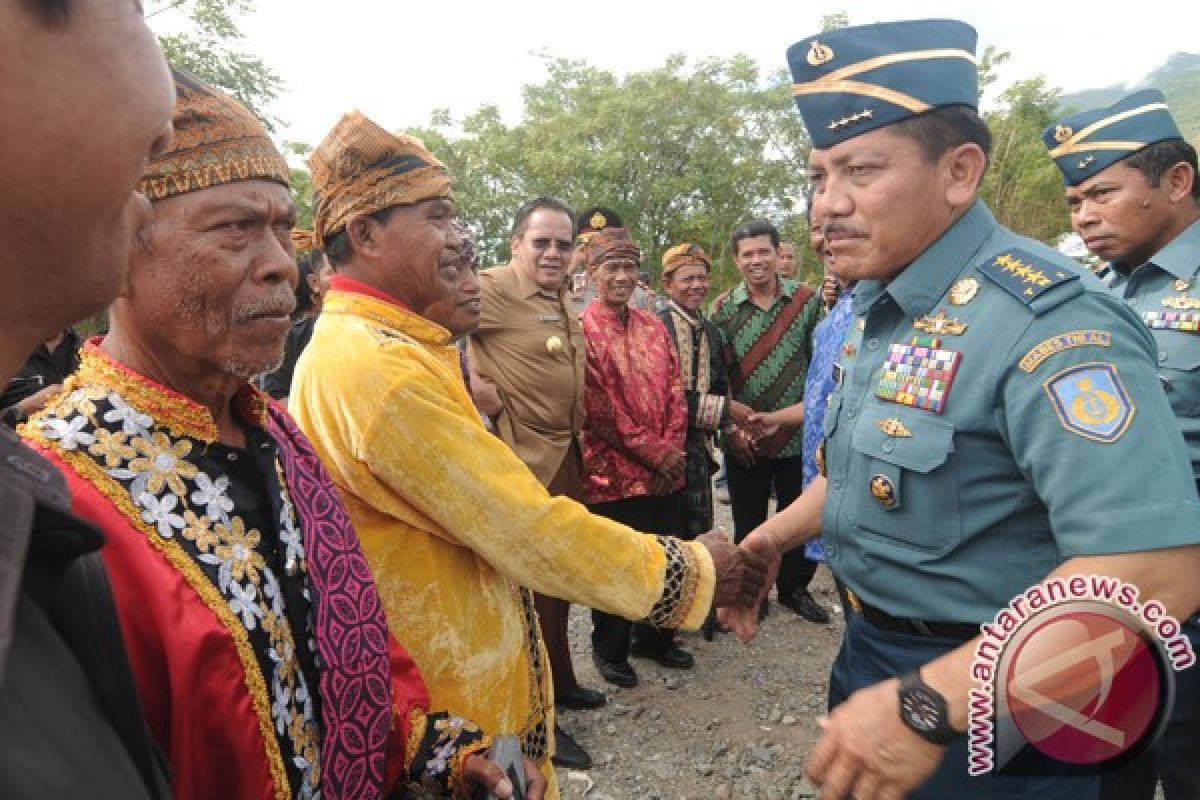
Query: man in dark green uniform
x,y
986,394
1131,186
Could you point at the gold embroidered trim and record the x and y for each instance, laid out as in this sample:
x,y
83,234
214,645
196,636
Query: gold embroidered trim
x,y
91,472
1064,341
181,415
680,579
417,723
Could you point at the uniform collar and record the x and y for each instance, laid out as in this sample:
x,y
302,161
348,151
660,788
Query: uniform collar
x,y
922,283
1181,256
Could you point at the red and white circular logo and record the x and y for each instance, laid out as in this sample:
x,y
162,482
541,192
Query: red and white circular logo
x,y
1084,685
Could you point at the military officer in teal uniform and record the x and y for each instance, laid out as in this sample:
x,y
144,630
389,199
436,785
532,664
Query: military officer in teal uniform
x,y
1134,198
987,395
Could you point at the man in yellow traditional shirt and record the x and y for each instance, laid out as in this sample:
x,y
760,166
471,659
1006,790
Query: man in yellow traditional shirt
x,y
453,524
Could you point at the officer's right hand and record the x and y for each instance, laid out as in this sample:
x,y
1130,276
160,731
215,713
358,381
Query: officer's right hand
x,y
744,621
741,574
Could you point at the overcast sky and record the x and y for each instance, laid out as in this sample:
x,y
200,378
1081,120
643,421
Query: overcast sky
x,y
398,60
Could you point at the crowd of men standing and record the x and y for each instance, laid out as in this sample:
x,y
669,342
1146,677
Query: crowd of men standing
x,y
206,593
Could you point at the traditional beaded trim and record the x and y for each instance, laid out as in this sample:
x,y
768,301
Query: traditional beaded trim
x,y
438,744
680,580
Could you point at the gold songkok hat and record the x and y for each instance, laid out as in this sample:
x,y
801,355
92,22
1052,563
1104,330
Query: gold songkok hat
x,y
684,255
360,168
217,141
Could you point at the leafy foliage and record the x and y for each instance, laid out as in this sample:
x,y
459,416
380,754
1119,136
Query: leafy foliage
x,y
209,47
683,152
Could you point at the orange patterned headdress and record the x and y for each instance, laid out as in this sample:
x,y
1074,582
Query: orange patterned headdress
x,y
360,168
217,141
683,255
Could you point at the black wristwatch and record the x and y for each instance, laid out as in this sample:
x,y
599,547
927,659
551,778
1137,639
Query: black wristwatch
x,y
924,710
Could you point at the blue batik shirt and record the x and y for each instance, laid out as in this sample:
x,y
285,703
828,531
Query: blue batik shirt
x,y
827,343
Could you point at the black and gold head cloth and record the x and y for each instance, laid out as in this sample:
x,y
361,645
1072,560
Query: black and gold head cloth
x,y
1089,142
360,168
217,141
849,81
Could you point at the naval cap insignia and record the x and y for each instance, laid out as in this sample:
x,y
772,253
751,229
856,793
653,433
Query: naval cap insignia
x,y
819,54
1062,133
598,221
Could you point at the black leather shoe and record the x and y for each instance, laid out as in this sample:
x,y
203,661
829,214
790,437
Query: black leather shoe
x,y
568,753
618,673
581,699
671,657
803,604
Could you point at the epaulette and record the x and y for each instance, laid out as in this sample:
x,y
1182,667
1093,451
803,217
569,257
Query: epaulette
x,y
1028,277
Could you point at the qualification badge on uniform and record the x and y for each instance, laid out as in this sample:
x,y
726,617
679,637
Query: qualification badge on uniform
x,y
883,490
1091,401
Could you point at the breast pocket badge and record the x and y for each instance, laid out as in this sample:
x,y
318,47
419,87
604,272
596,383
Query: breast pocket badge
x,y
1091,401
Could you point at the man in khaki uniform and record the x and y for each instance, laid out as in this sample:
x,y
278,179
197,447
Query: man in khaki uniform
x,y
529,347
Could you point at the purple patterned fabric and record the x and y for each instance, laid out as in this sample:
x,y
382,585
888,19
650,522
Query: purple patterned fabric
x,y
351,630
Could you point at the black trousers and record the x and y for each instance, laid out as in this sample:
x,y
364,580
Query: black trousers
x,y
612,635
750,493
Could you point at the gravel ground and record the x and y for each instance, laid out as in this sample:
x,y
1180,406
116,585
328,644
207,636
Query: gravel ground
x,y
738,725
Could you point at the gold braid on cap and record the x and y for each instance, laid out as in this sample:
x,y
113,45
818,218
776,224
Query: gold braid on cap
x,y
360,168
217,141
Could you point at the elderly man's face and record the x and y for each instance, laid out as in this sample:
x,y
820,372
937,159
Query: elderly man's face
x,y
881,201
425,268
615,280
212,287
87,99
688,286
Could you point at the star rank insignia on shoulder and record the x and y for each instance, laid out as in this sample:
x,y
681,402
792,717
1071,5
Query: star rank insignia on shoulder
x,y
1024,275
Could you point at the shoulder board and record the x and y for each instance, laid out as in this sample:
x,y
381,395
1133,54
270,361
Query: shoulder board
x,y
1026,276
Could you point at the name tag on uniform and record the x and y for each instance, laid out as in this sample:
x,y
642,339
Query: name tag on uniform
x,y
549,318
839,374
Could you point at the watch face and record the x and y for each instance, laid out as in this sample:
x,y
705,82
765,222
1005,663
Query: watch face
x,y
920,710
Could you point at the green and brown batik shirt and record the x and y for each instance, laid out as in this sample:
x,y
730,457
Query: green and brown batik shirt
x,y
767,352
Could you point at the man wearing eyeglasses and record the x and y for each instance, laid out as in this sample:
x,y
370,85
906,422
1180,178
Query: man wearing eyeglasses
x,y
529,348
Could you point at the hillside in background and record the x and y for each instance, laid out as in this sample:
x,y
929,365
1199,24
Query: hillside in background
x,y
1178,78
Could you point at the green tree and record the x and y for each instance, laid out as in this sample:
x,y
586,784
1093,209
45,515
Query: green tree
x,y
1023,186
210,46
682,152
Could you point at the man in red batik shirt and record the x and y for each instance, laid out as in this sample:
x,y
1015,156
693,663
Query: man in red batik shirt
x,y
633,436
